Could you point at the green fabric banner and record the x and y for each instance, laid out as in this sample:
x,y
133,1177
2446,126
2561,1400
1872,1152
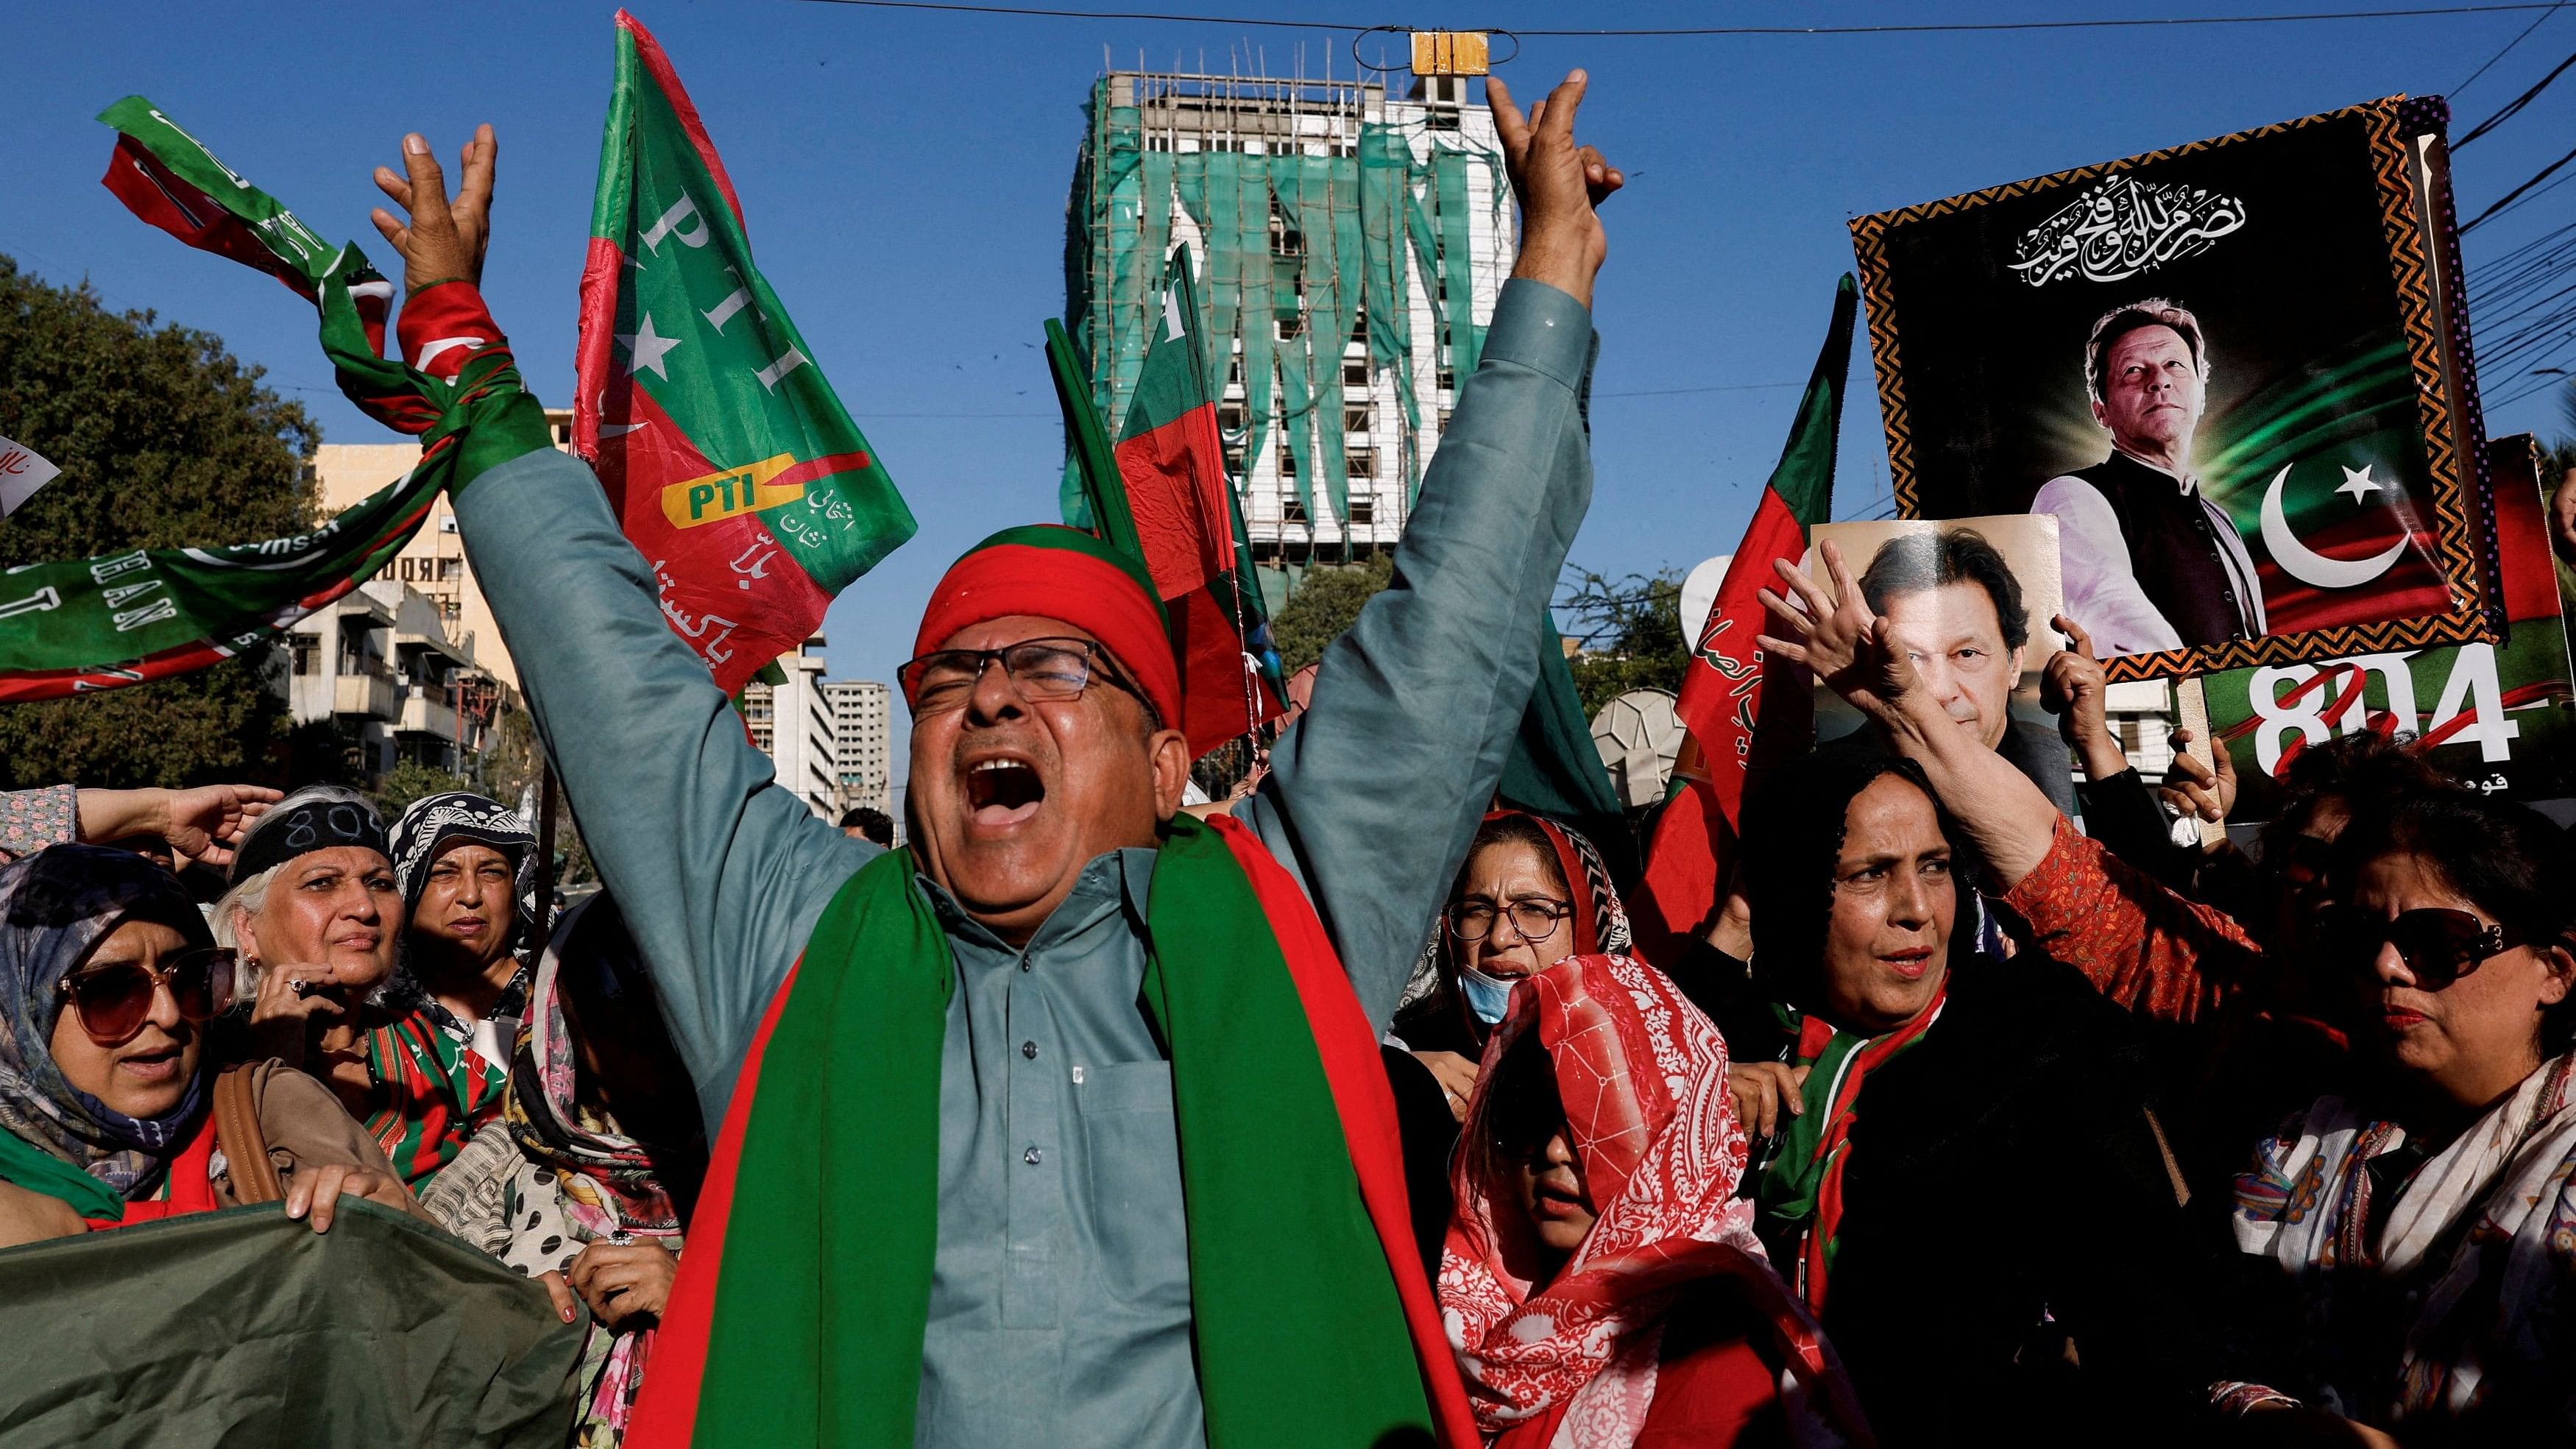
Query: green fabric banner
x,y
100,623
244,1327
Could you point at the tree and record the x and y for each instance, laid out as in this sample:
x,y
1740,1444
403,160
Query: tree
x,y
412,780
1326,603
1630,630
164,439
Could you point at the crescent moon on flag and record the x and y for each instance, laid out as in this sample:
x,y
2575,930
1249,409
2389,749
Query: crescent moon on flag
x,y
2306,564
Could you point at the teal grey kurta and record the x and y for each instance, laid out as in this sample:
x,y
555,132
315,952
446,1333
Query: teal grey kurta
x,y
1060,1309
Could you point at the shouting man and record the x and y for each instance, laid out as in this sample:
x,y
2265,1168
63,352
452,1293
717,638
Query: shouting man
x,y
1065,1122
2150,562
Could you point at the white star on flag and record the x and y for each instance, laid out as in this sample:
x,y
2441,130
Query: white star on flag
x,y
646,349
2359,483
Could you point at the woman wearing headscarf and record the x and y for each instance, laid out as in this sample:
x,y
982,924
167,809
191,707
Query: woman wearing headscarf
x,y
2417,1235
1530,892
317,913
468,869
108,1108
1602,1280
588,1179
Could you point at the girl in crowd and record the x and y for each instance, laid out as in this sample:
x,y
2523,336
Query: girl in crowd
x,y
2420,1233
468,870
316,911
1602,1279
588,1180
110,1111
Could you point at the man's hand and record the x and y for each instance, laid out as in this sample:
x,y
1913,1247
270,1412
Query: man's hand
x,y
1560,185
2072,688
2207,791
2562,517
444,241
1838,639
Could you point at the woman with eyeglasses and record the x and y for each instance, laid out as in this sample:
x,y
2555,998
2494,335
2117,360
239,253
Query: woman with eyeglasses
x,y
316,909
108,1105
1601,1277
2420,1232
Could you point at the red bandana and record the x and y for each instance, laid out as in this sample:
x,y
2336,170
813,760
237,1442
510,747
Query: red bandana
x,y
1061,573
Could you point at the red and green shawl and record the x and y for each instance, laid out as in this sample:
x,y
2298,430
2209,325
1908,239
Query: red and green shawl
x,y
1314,1322
437,1092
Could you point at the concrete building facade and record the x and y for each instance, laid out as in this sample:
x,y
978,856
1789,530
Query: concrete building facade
x,y
1294,197
379,664
433,562
792,724
862,734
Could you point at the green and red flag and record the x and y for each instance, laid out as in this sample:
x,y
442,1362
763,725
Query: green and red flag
x,y
734,469
1730,687
98,623
1162,493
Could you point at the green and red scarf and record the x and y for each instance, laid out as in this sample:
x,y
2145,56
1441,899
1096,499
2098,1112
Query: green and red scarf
x,y
439,1093
99,623
1307,1291
1801,1192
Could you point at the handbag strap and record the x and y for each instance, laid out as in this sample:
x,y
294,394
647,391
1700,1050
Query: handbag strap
x,y
254,1177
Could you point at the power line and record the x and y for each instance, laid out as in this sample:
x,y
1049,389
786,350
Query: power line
x,y
2545,173
2506,112
1603,34
2508,50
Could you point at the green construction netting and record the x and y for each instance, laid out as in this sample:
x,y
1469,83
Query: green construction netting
x,y
1297,249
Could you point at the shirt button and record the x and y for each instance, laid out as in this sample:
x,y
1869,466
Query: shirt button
x,y
1029,1049
1024,965
1032,1157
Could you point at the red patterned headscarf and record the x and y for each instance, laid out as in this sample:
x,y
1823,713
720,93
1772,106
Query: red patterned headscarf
x,y
1642,1076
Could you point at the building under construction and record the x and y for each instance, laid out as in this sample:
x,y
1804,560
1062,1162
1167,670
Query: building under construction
x,y
1350,246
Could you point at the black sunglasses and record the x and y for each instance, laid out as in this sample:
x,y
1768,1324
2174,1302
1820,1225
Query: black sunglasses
x,y
114,1000
2439,945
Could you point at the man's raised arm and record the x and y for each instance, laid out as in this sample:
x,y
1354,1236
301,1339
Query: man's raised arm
x,y
721,874
1374,795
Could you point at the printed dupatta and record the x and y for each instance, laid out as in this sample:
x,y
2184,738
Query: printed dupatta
x,y
437,1093
1641,1074
2483,1232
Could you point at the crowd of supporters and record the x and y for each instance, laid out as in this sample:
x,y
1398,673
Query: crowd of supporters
x,y
1348,1111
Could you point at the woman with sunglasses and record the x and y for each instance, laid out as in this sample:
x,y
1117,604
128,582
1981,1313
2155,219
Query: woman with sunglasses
x,y
317,911
107,980
2418,1236
1602,1279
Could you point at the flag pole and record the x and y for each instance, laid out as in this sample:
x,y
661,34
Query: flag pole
x,y
545,855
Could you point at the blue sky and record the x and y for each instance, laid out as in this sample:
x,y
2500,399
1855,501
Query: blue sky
x,y
904,176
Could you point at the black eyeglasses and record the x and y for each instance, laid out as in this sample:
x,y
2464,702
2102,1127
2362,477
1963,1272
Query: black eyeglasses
x,y
2438,945
1535,919
1040,669
114,1000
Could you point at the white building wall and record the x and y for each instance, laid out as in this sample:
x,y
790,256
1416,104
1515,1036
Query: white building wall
x,y
862,738
792,724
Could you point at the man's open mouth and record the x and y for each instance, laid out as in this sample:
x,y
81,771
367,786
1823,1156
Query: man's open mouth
x,y
1002,791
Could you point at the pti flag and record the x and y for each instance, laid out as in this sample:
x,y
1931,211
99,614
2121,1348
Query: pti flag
x,y
1162,493
97,623
734,469
1729,686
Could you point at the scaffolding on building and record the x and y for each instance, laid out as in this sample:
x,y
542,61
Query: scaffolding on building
x,y
1351,248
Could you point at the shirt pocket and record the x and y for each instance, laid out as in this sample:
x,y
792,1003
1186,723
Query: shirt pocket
x,y
1132,1159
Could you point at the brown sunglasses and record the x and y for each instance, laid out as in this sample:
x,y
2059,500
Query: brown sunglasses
x,y
114,1000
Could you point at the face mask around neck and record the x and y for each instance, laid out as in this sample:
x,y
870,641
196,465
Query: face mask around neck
x,y
1487,996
